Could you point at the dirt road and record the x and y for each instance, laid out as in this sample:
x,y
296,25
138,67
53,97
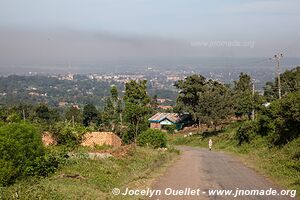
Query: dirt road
x,y
202,169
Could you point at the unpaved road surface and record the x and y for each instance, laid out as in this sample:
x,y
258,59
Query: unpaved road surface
x,y
201,169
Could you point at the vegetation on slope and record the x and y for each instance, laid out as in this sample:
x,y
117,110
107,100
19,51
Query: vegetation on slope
x,y
84,178
281,164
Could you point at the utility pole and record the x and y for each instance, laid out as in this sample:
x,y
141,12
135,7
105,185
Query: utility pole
x,y
253,93
73,121
24,116
277,59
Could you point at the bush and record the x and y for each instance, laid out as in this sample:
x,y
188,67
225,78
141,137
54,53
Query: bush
x,y
170,128
7,172
46,164
128,135
280,121
152,137
67,134
20,146
246,132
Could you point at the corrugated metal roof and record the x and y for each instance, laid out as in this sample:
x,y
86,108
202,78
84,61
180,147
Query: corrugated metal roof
x,y
173,117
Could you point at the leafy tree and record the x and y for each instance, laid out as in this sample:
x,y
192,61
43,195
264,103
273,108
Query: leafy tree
x,y
243,84
244,102
215,104
269,91
43,113
281,120
120,111
136,108
188,99
112,115
109,114
114,93
90,114
290,82
136,92
207,101
74,113
46,115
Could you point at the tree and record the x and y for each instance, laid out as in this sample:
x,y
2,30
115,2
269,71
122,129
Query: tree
x,y
136,92
290,82
90,114
154,102
46,115
109,114
136,108
114,93
243,84
188,99
281,120
207,101
43,112
215,103
269,92
74,114
112,115
244,102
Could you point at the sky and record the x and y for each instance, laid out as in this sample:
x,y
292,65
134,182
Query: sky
x,y
43,32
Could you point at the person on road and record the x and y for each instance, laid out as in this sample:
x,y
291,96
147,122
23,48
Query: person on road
x,y
210,144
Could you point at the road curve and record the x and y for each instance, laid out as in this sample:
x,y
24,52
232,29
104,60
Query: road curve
x,y
201,169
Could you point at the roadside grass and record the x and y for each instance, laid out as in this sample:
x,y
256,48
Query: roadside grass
x,y
282,165
94,179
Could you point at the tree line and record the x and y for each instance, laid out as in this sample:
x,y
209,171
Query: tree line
x,y
207,101
210,102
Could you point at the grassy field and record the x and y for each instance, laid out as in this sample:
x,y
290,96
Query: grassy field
x,y
281,165
94,179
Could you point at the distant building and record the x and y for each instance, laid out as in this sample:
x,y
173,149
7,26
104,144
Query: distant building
x,y
161,100
165,107
62,104
159,120
76,106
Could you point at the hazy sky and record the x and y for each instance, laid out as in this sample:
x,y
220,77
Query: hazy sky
x,y
120,31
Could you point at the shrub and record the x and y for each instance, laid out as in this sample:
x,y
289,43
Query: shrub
x,y
170,128
152,137
280,121
7,172
128,135
46,164
265,125
20,145
67,134
246,132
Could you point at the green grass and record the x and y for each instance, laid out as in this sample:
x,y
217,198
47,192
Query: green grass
x,y
281,165
97,177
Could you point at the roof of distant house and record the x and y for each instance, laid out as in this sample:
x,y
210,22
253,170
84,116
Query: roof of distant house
x,y
164,107
173,117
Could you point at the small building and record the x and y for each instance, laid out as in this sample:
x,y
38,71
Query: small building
x,y
101,138
165,107
159,120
